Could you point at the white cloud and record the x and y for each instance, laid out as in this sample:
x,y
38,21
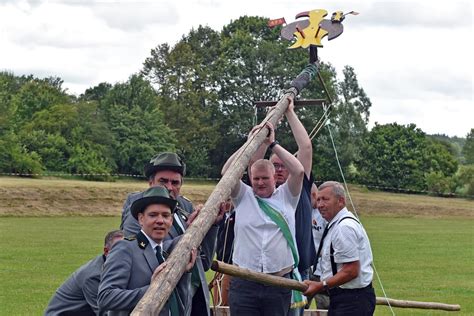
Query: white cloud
x,y
135,16
413,14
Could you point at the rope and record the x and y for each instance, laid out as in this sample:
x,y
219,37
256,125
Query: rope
x,y
219,277
322,121
255,112
357,215
324,118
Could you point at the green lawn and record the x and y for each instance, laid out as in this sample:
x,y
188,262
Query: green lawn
x,y
417,259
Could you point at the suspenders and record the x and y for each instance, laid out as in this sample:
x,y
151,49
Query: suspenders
x,y
331,251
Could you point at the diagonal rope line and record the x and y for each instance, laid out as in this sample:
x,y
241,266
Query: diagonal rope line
x,y
322,121
357,215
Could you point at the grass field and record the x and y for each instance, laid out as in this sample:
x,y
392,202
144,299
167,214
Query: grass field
x,y
419,255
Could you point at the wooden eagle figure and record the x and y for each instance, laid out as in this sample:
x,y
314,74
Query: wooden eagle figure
x,y
312,30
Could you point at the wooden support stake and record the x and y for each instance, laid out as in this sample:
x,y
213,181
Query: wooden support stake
x,y
416,304
162,286
268,279
300,286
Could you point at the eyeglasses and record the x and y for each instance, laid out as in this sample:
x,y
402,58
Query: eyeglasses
x,y
279,166
175,183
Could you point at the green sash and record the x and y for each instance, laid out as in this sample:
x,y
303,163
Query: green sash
x,y
297,299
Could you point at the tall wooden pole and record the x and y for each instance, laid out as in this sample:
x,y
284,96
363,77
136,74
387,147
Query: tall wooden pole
x,y
161,287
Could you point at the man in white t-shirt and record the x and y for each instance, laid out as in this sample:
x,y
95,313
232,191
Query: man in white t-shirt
x,y
345,257
260,244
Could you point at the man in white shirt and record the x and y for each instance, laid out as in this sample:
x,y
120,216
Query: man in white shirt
x,y
260,244
345,255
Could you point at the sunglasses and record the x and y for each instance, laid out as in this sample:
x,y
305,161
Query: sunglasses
x,y
279,166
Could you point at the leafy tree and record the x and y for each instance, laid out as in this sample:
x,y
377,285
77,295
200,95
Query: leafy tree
x,y
36,95
468,149
14,158
96,93
438,157
400,156
186,82
9,86
86,160
466,178
52,148
438,183
255,65
348,124
59,133
136,123
454,144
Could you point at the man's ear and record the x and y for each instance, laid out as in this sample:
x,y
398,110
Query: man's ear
x,y
106,251
342,201
140,218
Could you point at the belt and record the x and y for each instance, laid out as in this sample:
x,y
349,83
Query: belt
x,y
338,290
282,273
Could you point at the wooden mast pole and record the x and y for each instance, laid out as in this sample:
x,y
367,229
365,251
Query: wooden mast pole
x,y
161,287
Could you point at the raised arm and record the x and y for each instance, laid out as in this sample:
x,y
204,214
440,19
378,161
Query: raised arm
x,y
295,169
305,148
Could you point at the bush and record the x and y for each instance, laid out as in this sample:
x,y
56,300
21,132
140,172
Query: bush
x,y
14,158
466,180
439,184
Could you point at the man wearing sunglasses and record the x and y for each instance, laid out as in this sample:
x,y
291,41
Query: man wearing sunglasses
x,y
167,169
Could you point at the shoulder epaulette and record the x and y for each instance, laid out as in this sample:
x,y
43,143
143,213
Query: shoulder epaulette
x,y
130,238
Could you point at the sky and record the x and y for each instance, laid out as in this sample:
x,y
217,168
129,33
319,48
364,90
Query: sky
x,y
412,58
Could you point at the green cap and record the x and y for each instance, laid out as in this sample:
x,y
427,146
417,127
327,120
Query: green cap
x,y
165,161
154,195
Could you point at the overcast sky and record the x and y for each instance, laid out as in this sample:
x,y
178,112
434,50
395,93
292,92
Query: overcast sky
x,y
413,58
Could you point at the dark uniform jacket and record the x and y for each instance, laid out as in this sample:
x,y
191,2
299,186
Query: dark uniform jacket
x,y
130,226
303,226
78,295
127,276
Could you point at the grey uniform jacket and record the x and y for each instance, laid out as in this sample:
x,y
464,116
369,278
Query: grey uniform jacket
x,y
130,226
78,295
127,275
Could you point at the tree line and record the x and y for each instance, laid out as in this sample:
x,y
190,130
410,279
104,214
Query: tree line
x,y
197,98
